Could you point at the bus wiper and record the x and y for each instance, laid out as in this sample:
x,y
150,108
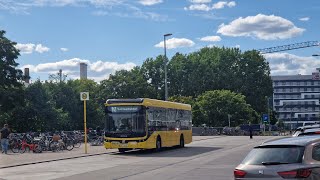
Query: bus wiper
x,y
273,163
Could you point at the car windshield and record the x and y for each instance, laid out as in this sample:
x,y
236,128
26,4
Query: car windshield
x,y
272,155
125,119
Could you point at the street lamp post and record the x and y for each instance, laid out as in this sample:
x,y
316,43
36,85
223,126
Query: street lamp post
x,y
165,67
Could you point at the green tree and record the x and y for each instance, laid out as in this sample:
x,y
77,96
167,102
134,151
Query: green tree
x,y
127,84
153,72
217,68
10,86
216,105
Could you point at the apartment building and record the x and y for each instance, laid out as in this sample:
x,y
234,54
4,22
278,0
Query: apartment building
x,y
296,99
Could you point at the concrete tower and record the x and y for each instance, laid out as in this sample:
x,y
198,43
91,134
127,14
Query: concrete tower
x,y
83,71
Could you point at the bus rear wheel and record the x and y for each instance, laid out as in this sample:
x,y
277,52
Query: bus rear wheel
x,y
181,141
122,150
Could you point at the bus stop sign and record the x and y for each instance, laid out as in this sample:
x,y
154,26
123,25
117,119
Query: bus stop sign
x,y
265,118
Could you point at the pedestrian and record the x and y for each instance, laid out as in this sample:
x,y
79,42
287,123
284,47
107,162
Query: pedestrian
x,y
4,134
250,130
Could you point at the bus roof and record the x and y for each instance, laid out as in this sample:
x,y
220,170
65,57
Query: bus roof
x,y
148,102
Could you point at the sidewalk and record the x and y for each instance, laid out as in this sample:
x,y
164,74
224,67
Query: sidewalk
x,y
17,159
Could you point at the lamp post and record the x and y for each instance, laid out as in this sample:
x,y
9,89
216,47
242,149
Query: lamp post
x,y
165,67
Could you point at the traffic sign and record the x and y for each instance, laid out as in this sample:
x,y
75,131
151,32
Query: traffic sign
x,y
265,118
84,96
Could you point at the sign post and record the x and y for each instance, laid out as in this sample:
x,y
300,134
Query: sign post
x,y
265,118
84,96
229,116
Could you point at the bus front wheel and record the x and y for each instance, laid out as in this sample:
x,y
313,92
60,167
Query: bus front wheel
x,y
158,145
181,141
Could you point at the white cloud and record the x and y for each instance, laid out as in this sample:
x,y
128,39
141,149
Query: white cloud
x,y
237,46
198,7
200,1
262,27
304,19
64,49
290,64
25,48
41,49
120,8
201,6
30,48
150,2
211,38
97,70
176,43
222,4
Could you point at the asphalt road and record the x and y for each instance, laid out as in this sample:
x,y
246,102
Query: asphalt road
x,y
213,158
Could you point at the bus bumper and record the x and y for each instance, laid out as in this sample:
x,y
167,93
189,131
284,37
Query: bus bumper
x,y
129,145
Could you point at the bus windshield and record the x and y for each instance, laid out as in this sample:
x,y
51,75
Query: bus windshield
x,y
125,121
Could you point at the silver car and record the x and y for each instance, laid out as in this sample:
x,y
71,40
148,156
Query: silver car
x,y
286,158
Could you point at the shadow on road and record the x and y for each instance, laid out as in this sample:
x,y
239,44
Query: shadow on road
x,y
170,152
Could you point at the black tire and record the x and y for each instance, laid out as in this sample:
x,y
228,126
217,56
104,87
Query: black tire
x,y
37,149
54,146
15,147
158,145
23,149
77,143
181,141
69,145
122,150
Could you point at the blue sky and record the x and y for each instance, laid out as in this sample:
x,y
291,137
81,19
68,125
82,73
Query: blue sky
x,y
111,35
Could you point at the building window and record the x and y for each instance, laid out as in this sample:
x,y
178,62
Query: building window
x,y
291,90
305,83
283,83
298,83
312,83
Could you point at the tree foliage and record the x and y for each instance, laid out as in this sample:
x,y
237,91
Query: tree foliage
x,y
10,87
216,105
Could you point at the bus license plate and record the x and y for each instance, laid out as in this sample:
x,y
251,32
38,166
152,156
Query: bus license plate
x,y
123,145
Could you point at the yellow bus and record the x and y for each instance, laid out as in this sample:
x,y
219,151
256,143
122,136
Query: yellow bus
x,y
146,124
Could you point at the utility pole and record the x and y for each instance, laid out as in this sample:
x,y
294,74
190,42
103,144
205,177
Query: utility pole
x,y
165,67
268,105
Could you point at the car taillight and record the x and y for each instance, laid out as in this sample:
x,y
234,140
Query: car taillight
x,y
301,173
239,174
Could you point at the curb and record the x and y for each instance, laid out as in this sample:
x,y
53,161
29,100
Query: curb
x,y
52,160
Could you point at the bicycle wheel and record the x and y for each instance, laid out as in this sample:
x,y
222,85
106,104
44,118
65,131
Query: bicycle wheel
x,y
69,145
23,149
37,149
76,143
54,146
15,147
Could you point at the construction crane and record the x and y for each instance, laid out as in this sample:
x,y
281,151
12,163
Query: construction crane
x,y
289,47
